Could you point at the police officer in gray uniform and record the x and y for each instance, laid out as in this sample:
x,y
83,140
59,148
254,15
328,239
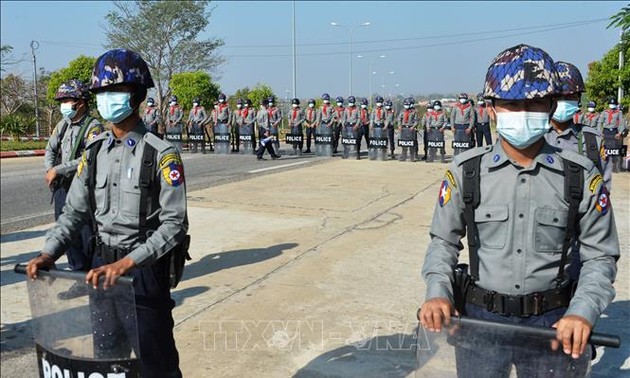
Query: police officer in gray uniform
x,y
275,117
482,122
196,134
296,119
151,118
513,207
565,134
591,117
390,125
61,159
407,123
436,124
249,126
463,122
613,127
174,127
125,245
350,121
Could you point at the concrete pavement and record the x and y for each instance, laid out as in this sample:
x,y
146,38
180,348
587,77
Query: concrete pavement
x,y
293,271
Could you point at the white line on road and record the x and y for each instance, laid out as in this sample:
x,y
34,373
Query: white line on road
x,y
26,217
279,166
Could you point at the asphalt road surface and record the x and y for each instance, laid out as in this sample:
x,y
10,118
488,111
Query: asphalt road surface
x,y
25,199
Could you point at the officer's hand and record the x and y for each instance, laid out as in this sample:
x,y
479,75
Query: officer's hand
x,y
618,136
467,131
111,272
434,312
573,332
50,176
43,261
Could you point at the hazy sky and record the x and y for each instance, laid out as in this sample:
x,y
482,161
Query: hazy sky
x,y
429,46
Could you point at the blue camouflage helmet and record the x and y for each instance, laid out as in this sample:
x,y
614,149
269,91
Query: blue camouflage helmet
x,y
591,104
463,96
222,96
352,100
173,99
570,78
239,101
311,101
364,101
389,103
72,89
339,99
521,72
150,100
120,66
326,97
271,99
378,99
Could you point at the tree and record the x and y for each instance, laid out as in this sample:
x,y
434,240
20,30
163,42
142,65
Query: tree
x,y
621,19
603,78
188,85
15,94
165,34
242,93
259,92
5,58
79,68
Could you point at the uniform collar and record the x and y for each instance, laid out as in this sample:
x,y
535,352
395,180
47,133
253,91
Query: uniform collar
x,y
129,140
573,129
547,156
82,119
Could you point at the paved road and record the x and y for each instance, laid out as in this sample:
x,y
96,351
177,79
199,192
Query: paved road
x,y
26,199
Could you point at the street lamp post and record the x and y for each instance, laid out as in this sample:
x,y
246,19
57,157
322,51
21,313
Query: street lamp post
x,y
350,31
372,73
35,46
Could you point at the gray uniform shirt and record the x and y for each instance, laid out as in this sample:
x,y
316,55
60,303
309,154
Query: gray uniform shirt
x,y
63,144
338,115
197,115
313,116
437,119
174,115
521,231
117,197
463,115
589,119
325,114
408,118
249,115
390,118
222,114
237,117
481,114
570,139
262,118
151,117
611,119
276,116
295,117
378,116
350,115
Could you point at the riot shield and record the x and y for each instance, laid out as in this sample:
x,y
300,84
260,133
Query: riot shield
x,y
196,137
461,140
435,142
474,348
275,133
94,335
378,144
323,140
246,137
221,138
407,142
295,139
174,135
348,140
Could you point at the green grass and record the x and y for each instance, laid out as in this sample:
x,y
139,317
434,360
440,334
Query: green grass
x,y
11,145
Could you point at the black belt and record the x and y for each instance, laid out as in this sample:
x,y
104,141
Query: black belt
x,y
519,305
110,254
379,125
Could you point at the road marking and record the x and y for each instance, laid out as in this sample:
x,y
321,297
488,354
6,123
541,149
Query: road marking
x,y
26,217
279,166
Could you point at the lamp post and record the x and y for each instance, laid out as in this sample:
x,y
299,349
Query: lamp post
x,y
372,73
35,46
350,31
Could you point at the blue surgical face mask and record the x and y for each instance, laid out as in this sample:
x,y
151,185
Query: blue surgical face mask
x,y
522,129
68,110
114,106
565,110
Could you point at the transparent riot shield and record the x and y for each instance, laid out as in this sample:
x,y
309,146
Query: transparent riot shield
x,y
348,140
221,138
93,335
435,143
174,136
196,137
246,137
275,133
323,140
407,142
295,138
461,140
474,348
378,144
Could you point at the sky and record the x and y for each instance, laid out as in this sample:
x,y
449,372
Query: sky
x,y
428,47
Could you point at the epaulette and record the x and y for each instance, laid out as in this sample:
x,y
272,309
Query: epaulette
x,y
573,156
157,143
471,153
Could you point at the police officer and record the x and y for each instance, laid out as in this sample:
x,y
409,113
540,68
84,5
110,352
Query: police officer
x,y
423,124
578,113
262,119
462,121
407,123
196,135
363,128
249,122
296,118
222,116
123,246
377,123
520,192
264,133
151,118
275,117
311,116
174,128
482,122
613,126
350,121
390,125
338,122
236,124
61,159
325,117
436,125
591,117
567,135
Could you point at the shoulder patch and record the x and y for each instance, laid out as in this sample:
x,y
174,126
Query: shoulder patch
x,y
602,152
450,178
445,193
101,136
82,164
595,183
602,201
172,169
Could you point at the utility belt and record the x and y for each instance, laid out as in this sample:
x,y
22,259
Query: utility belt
x,y
483,123
107,253
379,124
466,291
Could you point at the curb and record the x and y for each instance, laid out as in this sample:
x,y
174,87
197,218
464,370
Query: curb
x,y
26,153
